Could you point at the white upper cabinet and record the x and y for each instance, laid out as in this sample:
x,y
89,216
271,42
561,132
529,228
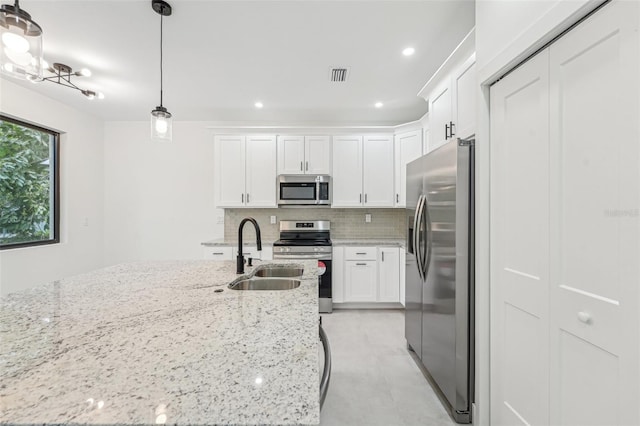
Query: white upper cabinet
x,y
363,171
347,171
408,147
245,171
440,114
299,155
451,96
378,186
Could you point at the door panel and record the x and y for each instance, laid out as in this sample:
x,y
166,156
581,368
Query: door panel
x,y
408,147
230,170
360,281
520,244
291,155
378,171
439,114
595,179
347,171
261,171
317,155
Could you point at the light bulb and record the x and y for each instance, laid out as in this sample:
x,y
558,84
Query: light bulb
x,y
258,105
408,51
161,126
379,105
22,59
85,72
15,42
100,95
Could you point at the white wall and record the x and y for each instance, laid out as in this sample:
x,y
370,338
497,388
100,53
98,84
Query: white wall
x,y
81,192
159,201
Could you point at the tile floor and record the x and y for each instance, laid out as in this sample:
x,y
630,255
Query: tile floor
x,y
374,380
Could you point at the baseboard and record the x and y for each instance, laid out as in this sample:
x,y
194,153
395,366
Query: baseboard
x,y
367,305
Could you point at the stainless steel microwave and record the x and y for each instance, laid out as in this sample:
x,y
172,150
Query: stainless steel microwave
x,y
304,190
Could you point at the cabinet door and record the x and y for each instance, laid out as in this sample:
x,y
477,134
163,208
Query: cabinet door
x,y
317,155
464,99
377,179
360,281
388,274
439,114
291,155
408,147
347,171
261,171
337,275
229,151
520,245
595,220
403,271
218,253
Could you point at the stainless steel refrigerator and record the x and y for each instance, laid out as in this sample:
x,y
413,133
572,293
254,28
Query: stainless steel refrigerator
x,y
439,323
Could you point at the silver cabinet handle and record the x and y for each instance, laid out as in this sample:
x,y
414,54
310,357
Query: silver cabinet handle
x,y
218,253
247,198
365,198
307,169
361,253
383,256
361,264
360,197
301,166
243,198
397,198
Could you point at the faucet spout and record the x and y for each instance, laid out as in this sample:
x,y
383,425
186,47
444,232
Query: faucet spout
x,y
240,257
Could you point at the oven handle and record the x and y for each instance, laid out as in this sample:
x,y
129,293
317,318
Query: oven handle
x,y
302,256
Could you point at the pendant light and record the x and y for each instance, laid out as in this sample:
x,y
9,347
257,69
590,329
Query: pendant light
x,y
161,123
20,44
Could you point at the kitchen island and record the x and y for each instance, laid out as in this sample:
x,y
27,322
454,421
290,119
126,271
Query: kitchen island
x,y
154,343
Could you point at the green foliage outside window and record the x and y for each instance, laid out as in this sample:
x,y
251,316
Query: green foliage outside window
x,y
27,187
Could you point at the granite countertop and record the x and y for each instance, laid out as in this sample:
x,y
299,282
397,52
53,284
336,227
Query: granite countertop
x,y
383,242
152,343
220,242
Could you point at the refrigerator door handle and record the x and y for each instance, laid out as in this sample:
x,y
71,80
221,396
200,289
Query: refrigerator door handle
x,y
416,236
427,237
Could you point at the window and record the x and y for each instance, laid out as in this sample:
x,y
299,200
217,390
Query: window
x,y
29,185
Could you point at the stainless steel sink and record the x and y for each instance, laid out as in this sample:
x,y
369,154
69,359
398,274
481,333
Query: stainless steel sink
x,y
279,271
265,284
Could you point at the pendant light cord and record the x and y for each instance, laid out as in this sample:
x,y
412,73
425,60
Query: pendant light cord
x,y
161,77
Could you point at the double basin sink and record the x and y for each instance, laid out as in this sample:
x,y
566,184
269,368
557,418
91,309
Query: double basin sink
x,y
270,277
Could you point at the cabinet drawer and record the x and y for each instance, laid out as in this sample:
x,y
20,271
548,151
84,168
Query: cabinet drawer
x,y
360,253
248,251
217,253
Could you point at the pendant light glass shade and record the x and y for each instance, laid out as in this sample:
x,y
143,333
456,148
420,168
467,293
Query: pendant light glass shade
x,y
161,125
20,44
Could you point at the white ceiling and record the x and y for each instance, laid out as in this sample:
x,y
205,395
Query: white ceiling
x,y
222,56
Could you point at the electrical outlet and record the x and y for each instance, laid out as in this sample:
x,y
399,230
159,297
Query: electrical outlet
x,y
273,220
367,218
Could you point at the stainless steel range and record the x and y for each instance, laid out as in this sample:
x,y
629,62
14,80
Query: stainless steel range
x,y
308,240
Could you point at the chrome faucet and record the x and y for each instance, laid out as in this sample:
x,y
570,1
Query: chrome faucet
x,y
240,258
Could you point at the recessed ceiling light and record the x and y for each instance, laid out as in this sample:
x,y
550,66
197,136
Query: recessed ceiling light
x,y
258,105
379,105
408,51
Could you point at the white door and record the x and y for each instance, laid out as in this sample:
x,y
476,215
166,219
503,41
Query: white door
x,y
337,275
464,99
389,274
360,281
595,199
317,155
378,173
291,155
439,114
408,147
520,246
229,151
347,171
261,171
403,277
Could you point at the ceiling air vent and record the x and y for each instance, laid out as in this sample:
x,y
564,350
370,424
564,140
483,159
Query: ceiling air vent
x,y
338,74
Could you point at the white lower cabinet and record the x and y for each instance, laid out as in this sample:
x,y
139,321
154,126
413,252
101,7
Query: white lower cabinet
x,y
360,280
252,252
403,266
366,274
388,274
217,253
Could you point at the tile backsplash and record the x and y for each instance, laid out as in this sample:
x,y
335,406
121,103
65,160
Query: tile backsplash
x,y
345,223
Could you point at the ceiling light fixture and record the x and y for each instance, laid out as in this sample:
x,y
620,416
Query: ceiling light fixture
x,y
379,105
20,43
258,105
62,75
161,123
408,51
